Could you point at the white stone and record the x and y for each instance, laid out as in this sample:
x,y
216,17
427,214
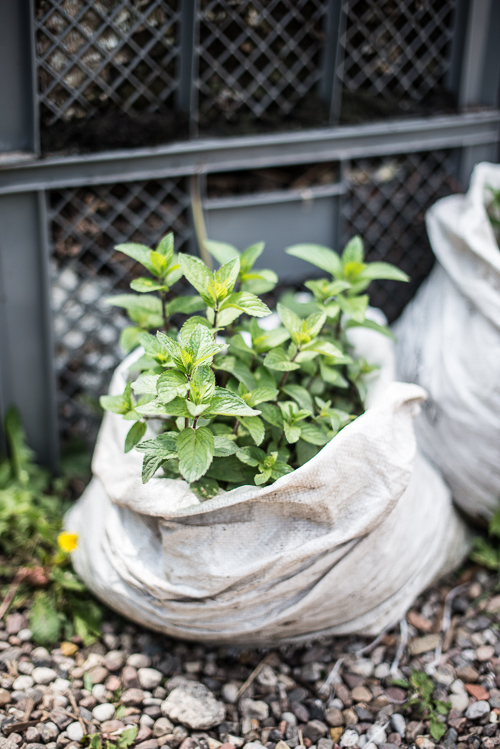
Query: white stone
x,y
74,731
60,685
194,705
139,660
149,678
103,712
146,720
362,667
349,738
99,691
459,702
376,734
25,635
382,671
229,693
399,724
22,683
43,675
458,687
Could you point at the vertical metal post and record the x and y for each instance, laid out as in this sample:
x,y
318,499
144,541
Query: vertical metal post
x,y
19,120
330,87
187,99
27,378
475,70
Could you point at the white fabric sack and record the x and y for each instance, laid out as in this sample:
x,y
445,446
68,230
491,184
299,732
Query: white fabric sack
x,y
343,544
449,343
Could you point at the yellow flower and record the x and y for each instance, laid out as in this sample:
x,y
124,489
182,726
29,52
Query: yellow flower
x,y
68,541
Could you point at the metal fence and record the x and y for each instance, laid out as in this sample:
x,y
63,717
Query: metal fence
x,y
345,116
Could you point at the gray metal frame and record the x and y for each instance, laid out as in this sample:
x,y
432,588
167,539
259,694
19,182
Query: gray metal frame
x,y
26,360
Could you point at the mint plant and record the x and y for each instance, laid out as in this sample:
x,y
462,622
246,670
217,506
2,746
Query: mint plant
x,y
231,402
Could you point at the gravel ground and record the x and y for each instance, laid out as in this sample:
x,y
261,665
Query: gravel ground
x,y
321,695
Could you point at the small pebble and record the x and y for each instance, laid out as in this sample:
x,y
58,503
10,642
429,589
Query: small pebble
x,y
43,675
103,712
74,731
477,710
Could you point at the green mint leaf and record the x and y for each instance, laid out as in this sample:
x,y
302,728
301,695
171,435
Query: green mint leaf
x,y
292,433
263,477
265,340
279,360
301,395
170,385
198,276
144,285
135,435
195,448
314,323
117,404
272,414
186,305
259,281
262,395
236,368
221,251
158,409
145,310
250,455
322,347
248,303
353,251
223,446
280,469
371,325
138,252
172,348
164,446
321,257
437,729
166,248
145,384
313,434
354,307
129,338
226,276
386,271
202,345
127,737
333,376
150,465
250,255
205,488
290,320
226,403
255,427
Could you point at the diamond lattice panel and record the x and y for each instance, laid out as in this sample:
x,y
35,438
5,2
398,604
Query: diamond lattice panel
x,y
257,57
386,204
93,55
396,50
86,223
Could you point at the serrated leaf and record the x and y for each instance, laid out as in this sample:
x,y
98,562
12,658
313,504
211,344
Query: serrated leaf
x,y
263,477
272,414
322,347
166,247
236,368
321,257
313,434
138,252
195,448
202,345
164,446
172,348
259,281
248,303
198,275
170,385
279,360
301,395
145,285
250,255
263,341
145,384
333,376
290,320
150,465
227,275
145,309
205,488
255,427
44,620
371,325
354,307
129,338
386,271
223,446
292,432
127,737
185,305
262,395
353,251
251,455
226,403
135,435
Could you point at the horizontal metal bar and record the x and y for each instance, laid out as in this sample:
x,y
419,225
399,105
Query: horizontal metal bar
x,y
278,196
229,154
